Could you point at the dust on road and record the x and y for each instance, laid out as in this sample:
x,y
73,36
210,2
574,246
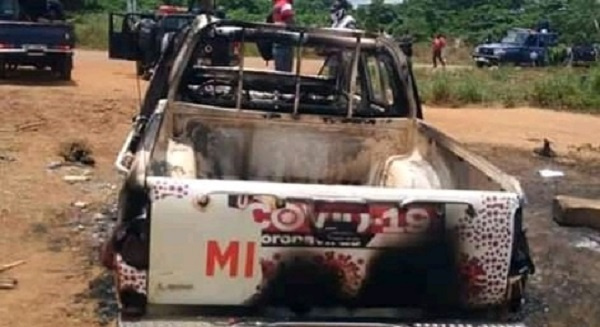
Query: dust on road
x,y
39,114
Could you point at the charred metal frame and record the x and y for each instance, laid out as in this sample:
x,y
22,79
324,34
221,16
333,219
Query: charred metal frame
x,y
238,102
351,39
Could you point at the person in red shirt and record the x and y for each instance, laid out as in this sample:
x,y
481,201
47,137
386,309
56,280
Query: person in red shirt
x,y
439,43
283,14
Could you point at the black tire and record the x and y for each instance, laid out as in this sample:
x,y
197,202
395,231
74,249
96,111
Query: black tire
x,y
64,68
517,291
147,75
542,62
139,68
3,69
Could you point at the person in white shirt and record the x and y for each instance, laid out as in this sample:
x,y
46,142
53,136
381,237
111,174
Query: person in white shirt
x,y
340,17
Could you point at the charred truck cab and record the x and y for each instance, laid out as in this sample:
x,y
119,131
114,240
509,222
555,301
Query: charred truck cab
x,y
316,197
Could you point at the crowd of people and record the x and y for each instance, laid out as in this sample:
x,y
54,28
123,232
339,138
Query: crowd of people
x,y
340,17
283,14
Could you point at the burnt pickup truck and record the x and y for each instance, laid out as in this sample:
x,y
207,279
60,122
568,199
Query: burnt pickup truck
x,y
45,40
318,197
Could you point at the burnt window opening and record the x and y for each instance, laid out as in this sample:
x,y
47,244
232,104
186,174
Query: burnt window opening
x,y
212,77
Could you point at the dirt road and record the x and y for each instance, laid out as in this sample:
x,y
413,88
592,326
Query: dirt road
x,y
38,221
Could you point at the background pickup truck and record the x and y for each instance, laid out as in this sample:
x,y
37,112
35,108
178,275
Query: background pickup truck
x,y
520,46
316,195
34,43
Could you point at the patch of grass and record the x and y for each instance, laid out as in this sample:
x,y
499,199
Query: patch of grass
x,y
91,30
556,88
453,88
568,89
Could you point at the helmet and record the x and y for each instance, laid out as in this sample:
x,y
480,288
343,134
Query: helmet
x,y
340,4
338,9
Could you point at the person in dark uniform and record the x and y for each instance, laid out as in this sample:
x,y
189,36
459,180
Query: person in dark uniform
x,y
55,10
146,31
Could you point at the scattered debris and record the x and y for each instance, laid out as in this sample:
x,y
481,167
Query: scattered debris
x,y
576,212
5,157
586,147
588,243
102,289
76,178
8,283
545,151
30,126
55,165
80,204
549,173
77,151
11,265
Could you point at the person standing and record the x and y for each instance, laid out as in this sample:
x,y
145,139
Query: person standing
x,y
340,17
439,43
283,14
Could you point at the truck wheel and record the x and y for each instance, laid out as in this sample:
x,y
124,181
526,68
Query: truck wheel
x,y
3,69
517,295
139,68
64,68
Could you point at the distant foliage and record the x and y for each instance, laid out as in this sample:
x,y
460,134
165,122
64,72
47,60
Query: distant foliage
x,y
471,20
556,88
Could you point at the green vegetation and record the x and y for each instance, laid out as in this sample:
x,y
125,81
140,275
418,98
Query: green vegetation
x,y
557,88
91,30
467,20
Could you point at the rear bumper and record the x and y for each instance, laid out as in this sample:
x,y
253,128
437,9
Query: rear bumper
x,y
207,323
24,57
486,58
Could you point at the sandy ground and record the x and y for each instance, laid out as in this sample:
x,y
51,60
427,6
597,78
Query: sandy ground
x,y
36,204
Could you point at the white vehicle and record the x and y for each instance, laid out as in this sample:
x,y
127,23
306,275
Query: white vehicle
x,y
297,199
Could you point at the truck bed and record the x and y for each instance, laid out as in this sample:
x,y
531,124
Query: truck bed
x,y
209,143
15,35
240,216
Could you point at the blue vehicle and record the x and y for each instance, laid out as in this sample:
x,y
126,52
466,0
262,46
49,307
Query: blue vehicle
x,y
34,33
520,46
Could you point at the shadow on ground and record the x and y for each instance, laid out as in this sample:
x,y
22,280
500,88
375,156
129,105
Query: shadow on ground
x,y
32,77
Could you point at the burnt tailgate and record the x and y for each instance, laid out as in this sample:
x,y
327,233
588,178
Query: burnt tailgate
x,y
371,247
20,35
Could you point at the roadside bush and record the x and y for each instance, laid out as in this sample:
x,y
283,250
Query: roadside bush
x,y
463,87
470,90
91,30
568,89
556,88
439,91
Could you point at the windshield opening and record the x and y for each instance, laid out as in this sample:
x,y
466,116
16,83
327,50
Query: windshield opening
x,y
8,8
323,84
515,37
175,23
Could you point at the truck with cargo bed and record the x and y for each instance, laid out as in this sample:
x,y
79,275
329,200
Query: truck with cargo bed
x,y
34,33
315,197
